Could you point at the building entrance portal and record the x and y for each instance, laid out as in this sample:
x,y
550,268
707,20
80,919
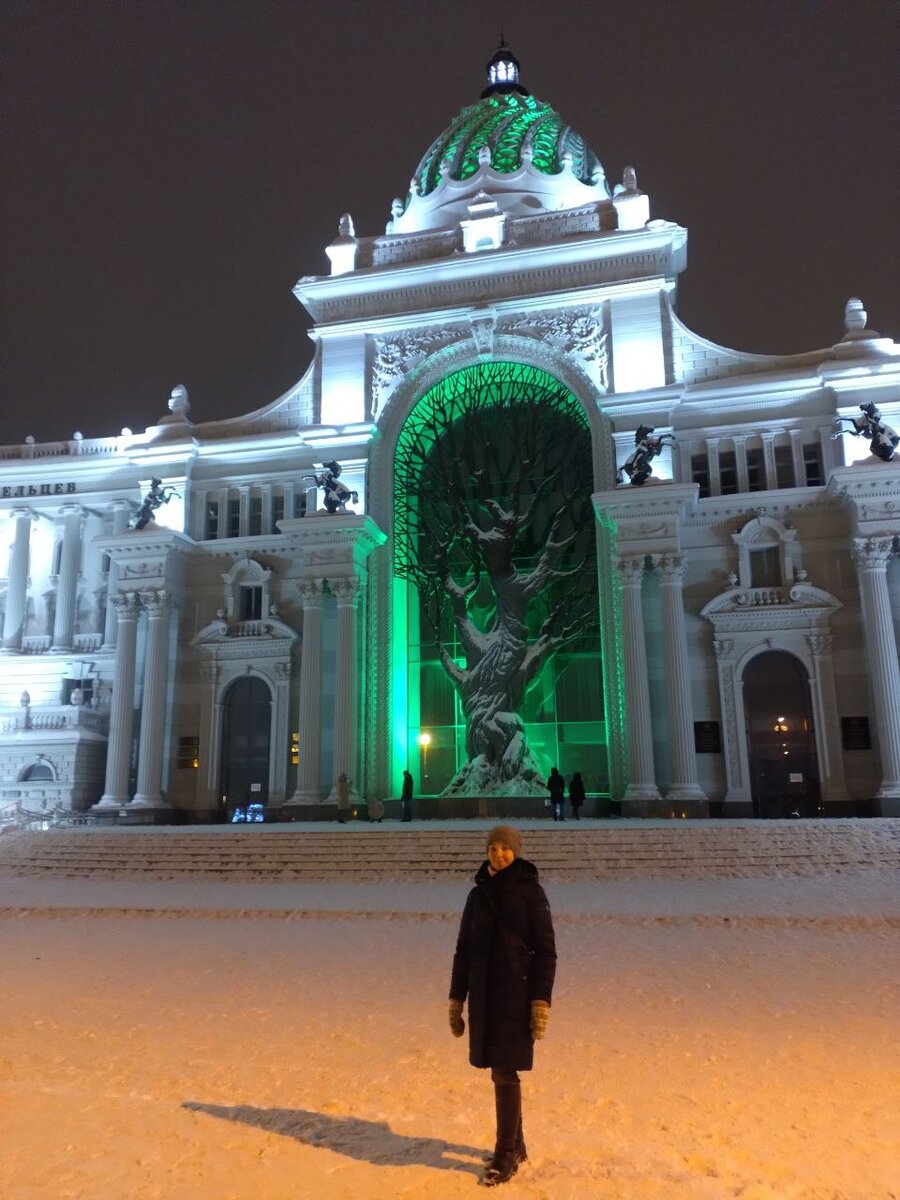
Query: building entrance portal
x,y
246,736
781,745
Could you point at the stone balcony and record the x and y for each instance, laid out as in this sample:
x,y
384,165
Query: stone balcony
x,y
52,718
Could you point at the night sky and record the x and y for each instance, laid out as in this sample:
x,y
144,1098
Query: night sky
x,y
171,167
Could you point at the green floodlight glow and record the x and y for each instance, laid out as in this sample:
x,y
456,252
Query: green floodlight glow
x,y
506,125
560,727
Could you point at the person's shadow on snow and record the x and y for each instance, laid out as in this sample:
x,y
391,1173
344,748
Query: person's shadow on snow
x,y
369,1141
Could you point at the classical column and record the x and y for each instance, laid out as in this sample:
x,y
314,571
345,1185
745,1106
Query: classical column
x,y
67,585
768,441
153,699
121,712
712,456
684,785
347,592
309,717
825,710
740,460
642,784
872,557
120,510
17,583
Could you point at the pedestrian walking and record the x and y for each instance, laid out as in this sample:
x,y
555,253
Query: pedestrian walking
x,y
504,966
576,794
406,795
343,798
556,786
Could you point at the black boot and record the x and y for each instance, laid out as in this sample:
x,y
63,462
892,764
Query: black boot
x,y
505,1163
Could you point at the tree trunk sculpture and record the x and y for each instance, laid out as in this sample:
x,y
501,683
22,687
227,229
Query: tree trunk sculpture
x,y
496,531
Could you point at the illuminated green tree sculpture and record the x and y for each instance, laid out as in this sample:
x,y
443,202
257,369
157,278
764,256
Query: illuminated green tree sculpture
x,y
494,527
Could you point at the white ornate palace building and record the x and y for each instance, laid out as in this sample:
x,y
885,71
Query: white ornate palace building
x,y
246,646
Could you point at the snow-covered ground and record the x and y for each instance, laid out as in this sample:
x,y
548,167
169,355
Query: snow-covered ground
x,y
709,1040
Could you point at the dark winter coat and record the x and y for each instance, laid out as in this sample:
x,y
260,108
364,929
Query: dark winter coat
x,y
505,958
556,786
576,792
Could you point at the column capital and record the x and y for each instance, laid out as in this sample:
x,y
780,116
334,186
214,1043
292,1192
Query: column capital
x,y
71,510
22,511
119,504
127,605
310,592
157,602
820,643
724,648
346,590
873,554
631,569
671,568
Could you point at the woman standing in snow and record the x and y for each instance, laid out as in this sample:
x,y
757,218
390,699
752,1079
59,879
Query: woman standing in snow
x,y
505,963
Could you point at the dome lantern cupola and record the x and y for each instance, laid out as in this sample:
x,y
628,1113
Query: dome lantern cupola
x,y
503,73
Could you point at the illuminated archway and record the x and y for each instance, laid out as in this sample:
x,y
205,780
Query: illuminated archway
x,y
500,647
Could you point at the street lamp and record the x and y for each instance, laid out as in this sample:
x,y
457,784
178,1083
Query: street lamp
x,y
424,742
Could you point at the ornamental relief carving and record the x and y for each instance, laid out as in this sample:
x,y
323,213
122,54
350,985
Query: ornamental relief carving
x,y
578,331
397,354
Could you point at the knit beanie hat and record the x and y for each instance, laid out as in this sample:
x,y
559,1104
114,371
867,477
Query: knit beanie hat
x,y
508,836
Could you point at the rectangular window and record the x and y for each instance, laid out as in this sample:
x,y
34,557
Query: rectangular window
x,y
188,753
728,480
812,465
212,522
756,470
251,602
700,473
784,467
234,518
300,504
765,567
277,511
255,516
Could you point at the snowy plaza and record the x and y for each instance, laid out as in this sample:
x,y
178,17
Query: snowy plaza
x,y
710,1039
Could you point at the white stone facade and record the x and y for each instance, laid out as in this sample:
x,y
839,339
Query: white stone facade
x,y
759,534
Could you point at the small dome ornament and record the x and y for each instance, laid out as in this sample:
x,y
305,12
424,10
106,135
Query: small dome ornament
x,y
855,318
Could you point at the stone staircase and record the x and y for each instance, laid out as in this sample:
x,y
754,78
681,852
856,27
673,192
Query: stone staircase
x,y
589,850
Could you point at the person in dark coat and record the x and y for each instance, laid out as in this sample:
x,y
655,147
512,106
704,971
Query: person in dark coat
x,y
576,794
504,965
556,786
406,793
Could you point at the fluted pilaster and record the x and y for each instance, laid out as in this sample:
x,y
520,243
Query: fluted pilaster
x,y
121,715
347,592
120,512
684,785
872,557
153,701
642,783
309,717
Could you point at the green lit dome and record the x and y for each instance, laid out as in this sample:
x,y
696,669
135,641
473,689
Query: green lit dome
x,y
511,126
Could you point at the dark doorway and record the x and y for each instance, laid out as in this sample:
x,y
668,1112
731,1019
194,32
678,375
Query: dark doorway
x,y
246,731
781,742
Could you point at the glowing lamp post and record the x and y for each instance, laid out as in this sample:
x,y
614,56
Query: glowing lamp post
x,y
424,742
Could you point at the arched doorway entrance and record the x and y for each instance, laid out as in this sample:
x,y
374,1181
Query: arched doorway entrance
x,y
246,737
781,743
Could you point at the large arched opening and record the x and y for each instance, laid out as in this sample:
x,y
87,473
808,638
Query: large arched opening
x,y
246,745
781,738
489,439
